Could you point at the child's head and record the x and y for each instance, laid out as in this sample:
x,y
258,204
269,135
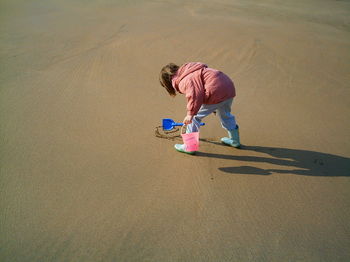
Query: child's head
x,y
165,76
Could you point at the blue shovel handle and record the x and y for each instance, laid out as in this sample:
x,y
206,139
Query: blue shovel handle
x,y
181,124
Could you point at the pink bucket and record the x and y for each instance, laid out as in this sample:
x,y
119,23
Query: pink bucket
x,y
191,141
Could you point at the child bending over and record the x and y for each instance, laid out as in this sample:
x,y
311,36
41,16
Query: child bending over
x,y
207,90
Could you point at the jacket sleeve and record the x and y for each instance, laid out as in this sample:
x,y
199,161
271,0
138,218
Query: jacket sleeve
x,y
195,96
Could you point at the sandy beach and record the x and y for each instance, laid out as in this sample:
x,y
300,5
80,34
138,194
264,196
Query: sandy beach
x,y
83,176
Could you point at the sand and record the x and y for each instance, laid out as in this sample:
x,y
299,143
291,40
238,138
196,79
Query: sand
x,y
83,178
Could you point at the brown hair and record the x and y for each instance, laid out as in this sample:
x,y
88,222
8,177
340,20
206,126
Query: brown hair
x,y
165,76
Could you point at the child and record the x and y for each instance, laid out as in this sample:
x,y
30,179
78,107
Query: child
x,y
207,90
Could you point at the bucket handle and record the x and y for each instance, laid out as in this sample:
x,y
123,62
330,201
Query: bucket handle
x,y
182,129
184,125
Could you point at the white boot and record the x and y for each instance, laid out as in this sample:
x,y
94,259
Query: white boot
x,y
233,139
182,148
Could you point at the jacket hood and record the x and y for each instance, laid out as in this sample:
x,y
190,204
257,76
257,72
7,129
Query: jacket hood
x,y
184,71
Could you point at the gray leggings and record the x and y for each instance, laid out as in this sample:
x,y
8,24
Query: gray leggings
x,y
223,109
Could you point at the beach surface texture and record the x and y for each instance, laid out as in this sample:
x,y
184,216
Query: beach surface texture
x,y
83,176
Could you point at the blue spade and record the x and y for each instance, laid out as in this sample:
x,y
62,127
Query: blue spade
x,y
168,124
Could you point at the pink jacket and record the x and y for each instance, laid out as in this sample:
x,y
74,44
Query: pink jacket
x,y
202,85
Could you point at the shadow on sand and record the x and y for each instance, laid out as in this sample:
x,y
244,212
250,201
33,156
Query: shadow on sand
x,y
290,161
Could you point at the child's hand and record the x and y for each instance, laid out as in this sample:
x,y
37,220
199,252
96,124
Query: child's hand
x,y
188,120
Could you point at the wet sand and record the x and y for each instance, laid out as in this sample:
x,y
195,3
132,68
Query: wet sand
x,y
83,178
